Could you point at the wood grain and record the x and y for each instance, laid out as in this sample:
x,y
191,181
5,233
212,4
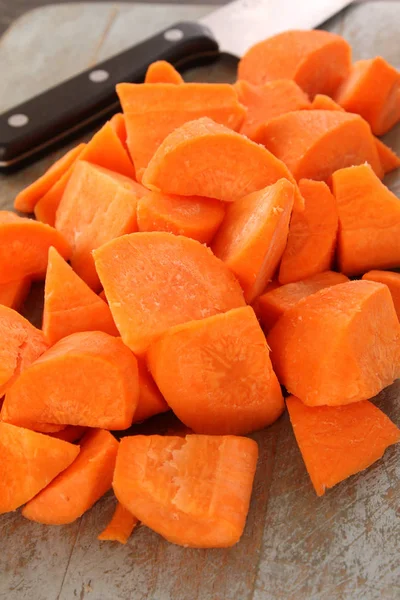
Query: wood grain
x,y
344,546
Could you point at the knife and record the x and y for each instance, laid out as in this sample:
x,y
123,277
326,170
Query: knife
x,y
56,114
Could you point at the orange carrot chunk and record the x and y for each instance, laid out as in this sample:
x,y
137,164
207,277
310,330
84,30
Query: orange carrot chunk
x,y
87,379
339,441
120,527
21,344
253,235
216,374
24,247
389,159
318,61
162,71
77,488
97,206
119,125
372,89
322,102
194,217
154,110
70,305
29,461
70,433
369,221
105,149
268,101
312,234
315,143
194,491
204,158
392,280
273,303
27,199
151,401
339,345
14,293
156,280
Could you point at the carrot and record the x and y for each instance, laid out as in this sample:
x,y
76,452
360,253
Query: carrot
x,y
253,235
318,61
339,441
105,149
29,461
392,280
153,110
87,379
389,159
97,206
372,89
369,221
315,143
70,433
156,280
150,401
216,374
192,216
339,345
27,199
119,125
204,158
268,101
120,528
273,303
312,234
322,102
162,71
271,285
21,344
14,293
194,491
77,488
70,305
24,246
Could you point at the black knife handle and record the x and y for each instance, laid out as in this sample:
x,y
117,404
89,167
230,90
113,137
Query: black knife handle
x,y
60,111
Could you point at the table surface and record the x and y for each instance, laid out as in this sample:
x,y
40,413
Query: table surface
x,y
344,546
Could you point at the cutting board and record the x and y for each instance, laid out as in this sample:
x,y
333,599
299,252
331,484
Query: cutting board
x,y
344,546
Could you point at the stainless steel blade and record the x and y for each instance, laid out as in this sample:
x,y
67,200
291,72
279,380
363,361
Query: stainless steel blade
x,y
242,23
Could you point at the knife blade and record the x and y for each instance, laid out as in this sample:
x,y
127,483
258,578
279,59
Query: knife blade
x,y
51,117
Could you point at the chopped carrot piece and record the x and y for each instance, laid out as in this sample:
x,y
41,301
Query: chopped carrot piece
x,y
194,217
120,528
156,280
204,158
389,159
97,206
372,89
271,285
24,246
151,401
14,293
369,218
216,374
312,234
77,488
318,61
339,345
268,101
253,235
154,110
119,125
29,461
339,441
162,71
87,379
27,199
392,280
322,102
22,344
105,149
70,433
315,143
70,305
194,491
273,303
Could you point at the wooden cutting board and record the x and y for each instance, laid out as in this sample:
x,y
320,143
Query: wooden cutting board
x,y
344,546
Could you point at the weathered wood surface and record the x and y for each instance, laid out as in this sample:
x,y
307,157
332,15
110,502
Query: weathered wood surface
x,y
344,546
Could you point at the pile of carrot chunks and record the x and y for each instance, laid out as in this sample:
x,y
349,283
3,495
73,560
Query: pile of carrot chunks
x,y
197,255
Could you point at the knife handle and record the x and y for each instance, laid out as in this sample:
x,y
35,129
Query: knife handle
x,y
67,108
